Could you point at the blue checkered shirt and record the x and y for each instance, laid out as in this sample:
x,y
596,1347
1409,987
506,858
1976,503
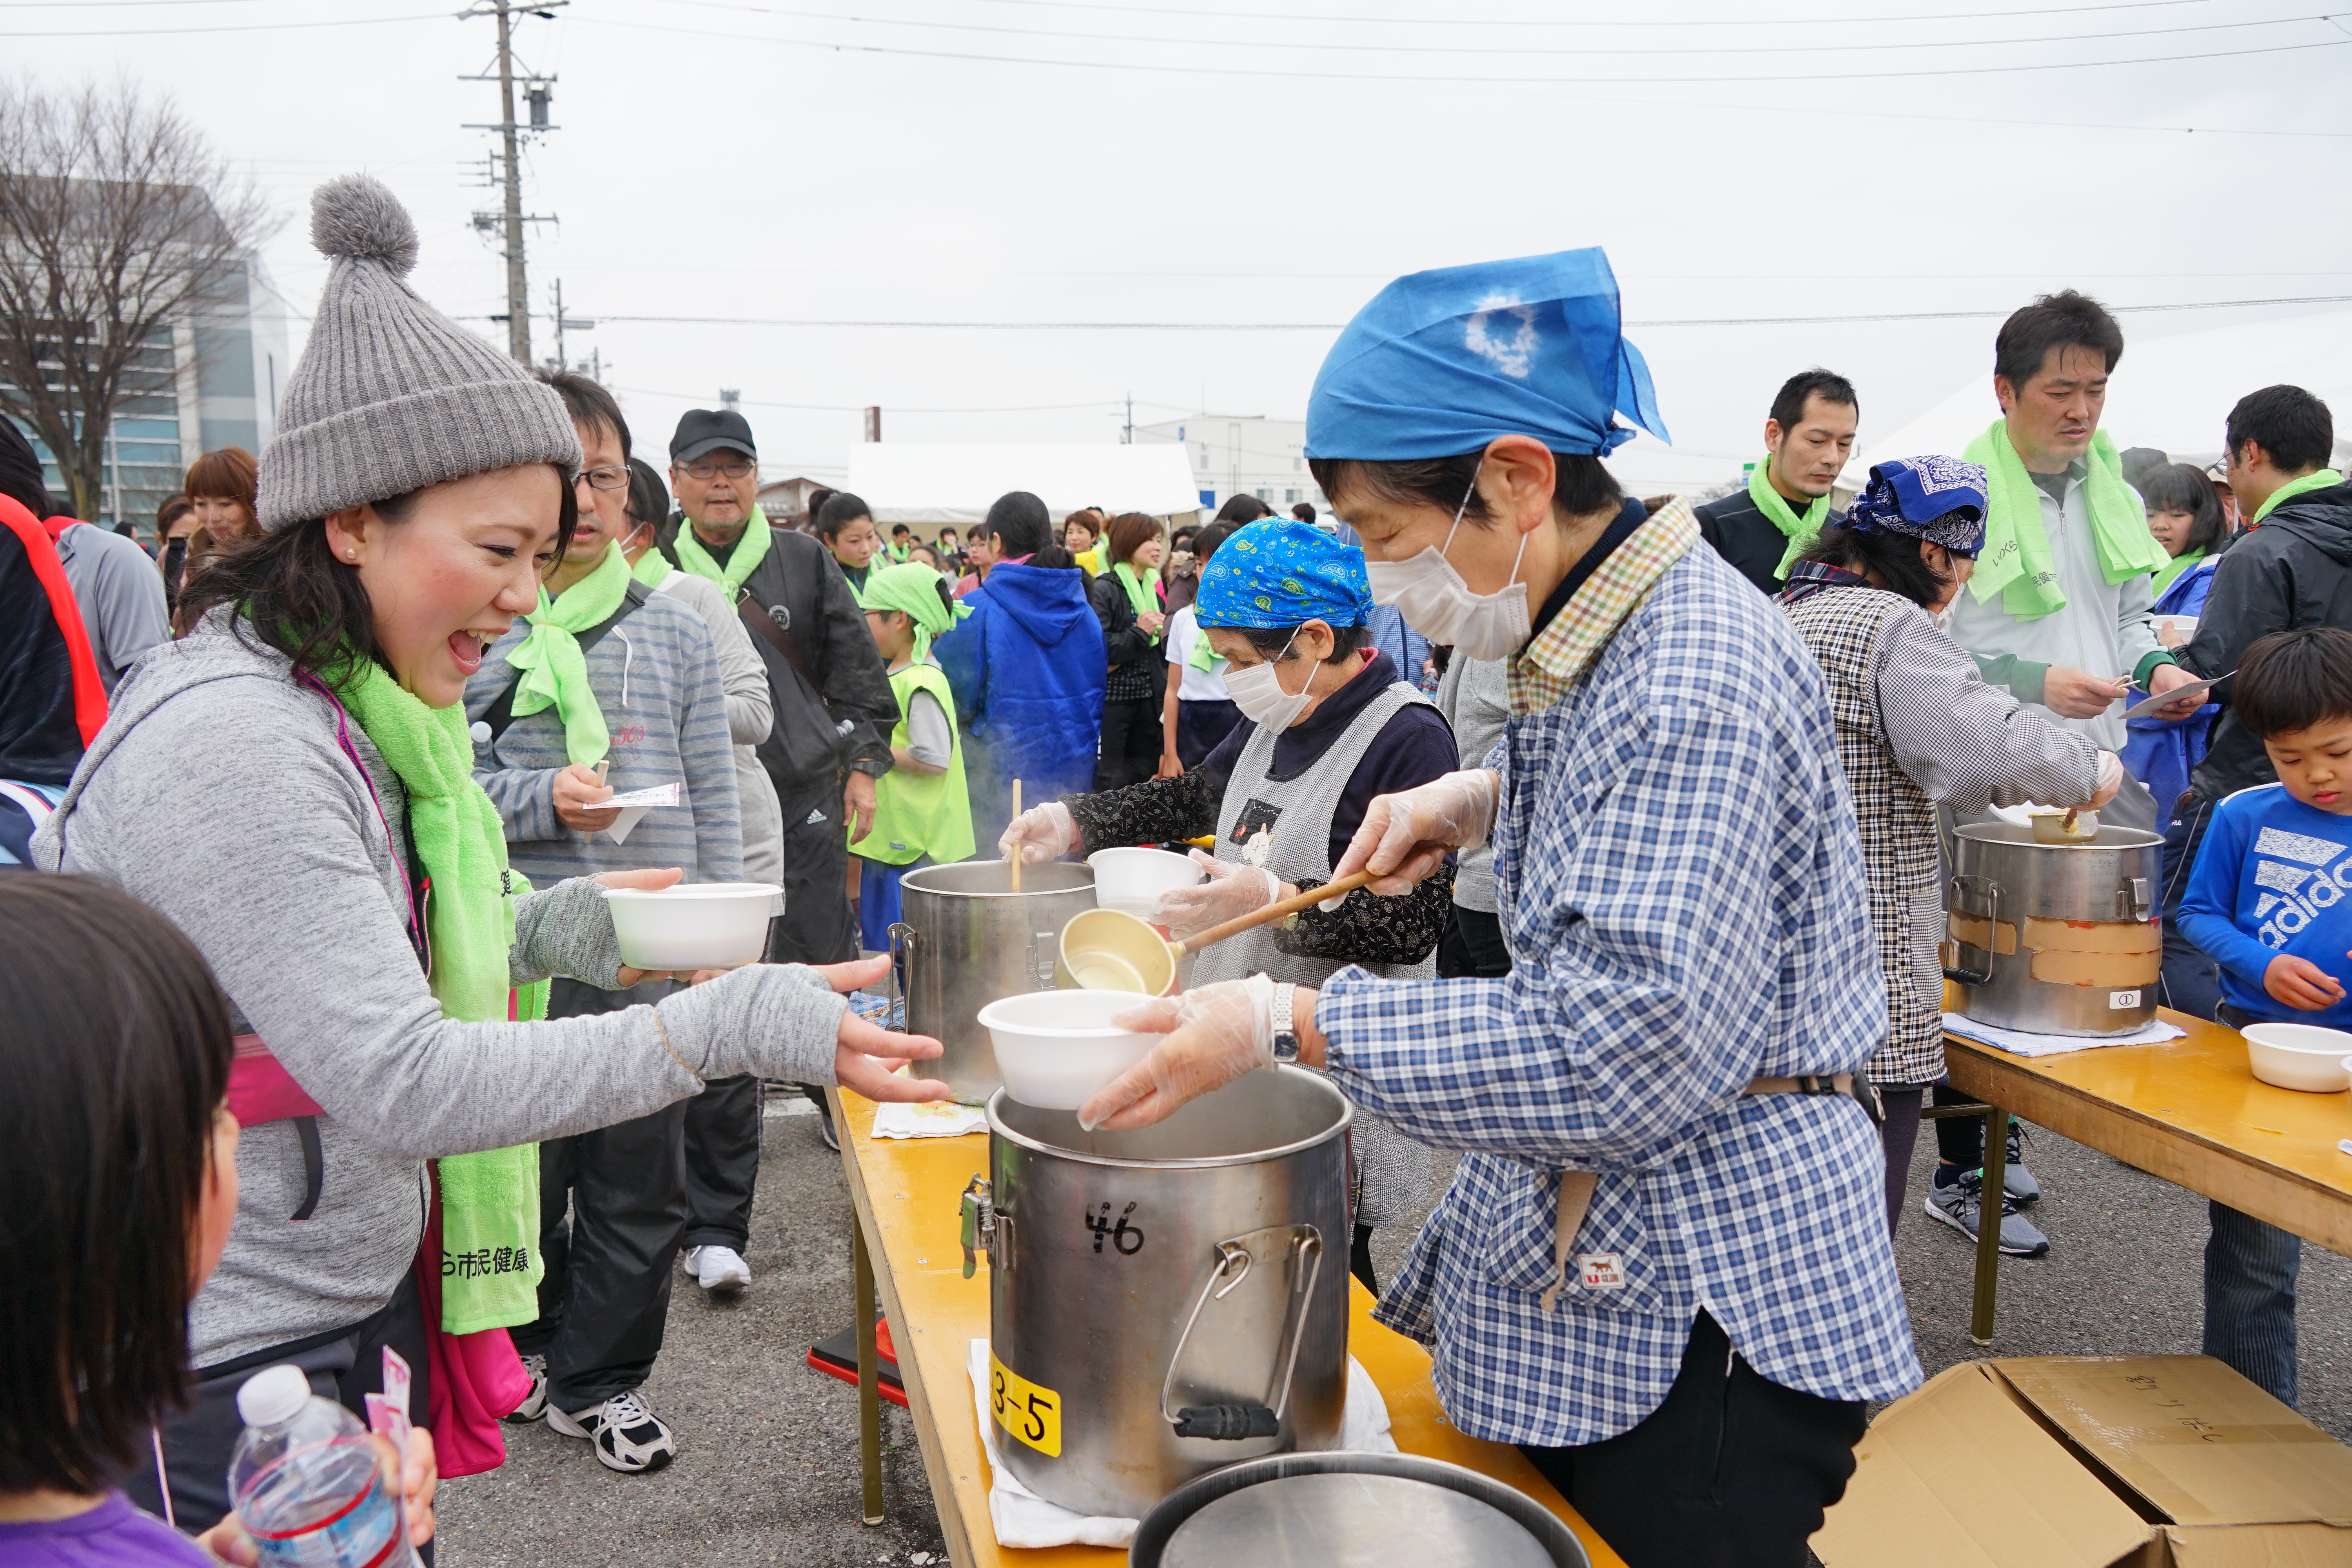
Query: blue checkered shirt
x,y
1679,877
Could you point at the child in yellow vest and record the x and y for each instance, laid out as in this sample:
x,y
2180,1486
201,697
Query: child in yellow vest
x,y
922,813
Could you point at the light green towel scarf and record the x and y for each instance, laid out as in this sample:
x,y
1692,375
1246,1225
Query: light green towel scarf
x,y
1140,597
652,569
2317,480
1800,532
2172,569
2016,562
749,551
555,672
489,1201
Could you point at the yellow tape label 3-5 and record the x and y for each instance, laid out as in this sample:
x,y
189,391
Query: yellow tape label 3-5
x,y
1027,1412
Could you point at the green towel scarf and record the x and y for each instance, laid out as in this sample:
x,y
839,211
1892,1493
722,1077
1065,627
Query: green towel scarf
x,y
2016,562
749,551
555,672
490,1265
2317,480
1800,532
1140,597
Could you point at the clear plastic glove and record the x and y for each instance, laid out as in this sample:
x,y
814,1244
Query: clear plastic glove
x,y
1216,1033
1405,835
1232,891
1040,834
2111,779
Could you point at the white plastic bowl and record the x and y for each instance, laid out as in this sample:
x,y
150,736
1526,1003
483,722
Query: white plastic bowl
x,y
1055,1048
695,925
2299,1056
1132,880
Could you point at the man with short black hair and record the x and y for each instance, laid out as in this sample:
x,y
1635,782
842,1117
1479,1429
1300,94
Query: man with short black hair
x,y
1807,437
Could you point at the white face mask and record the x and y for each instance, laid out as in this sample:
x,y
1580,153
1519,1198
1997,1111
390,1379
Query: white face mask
x,y
1256,690
1436,603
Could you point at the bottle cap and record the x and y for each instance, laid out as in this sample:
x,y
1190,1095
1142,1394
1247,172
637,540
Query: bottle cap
x,y
273,1394
481,732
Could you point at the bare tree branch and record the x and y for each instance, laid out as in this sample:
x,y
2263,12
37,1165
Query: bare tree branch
x,y
116,219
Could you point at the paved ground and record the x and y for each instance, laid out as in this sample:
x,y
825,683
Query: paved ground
x,y
768,1474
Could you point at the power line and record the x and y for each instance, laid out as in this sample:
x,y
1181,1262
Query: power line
x,y
1334,326
1232,71
895,408
1806,48
236,27
1578,21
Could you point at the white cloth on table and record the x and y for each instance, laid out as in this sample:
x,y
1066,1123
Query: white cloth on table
x,y
1021,1518
2020,1043
935,1119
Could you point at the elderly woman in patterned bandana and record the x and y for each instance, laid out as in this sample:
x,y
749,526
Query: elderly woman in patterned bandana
x,y
1328,723
1917,728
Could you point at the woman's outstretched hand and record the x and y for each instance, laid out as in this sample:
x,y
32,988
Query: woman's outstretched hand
x,y
866,1055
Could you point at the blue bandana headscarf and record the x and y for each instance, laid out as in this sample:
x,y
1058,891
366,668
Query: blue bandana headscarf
x,y
1277,573
1442,362
1938,499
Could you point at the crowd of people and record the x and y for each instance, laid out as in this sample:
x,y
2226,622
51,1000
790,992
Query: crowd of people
x,y
1651,794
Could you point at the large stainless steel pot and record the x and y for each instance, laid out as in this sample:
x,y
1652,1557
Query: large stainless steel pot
x,y
1169,1300
2057,938
965,938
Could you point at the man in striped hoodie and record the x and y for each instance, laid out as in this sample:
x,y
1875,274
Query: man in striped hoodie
x,y
653,708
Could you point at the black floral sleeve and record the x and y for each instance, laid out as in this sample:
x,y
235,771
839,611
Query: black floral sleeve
x,y
1370,930
1156,811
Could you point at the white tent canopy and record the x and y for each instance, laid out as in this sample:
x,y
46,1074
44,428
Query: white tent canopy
x,y
2172,393
913,483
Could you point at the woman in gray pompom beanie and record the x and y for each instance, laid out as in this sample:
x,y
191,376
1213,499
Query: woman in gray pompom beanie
x,y
420,482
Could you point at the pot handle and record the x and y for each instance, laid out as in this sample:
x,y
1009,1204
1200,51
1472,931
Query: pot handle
x,y
902,943
1045,946
1961,971
1234,1423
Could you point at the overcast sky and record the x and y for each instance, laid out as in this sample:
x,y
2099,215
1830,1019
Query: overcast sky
x,y
1054,161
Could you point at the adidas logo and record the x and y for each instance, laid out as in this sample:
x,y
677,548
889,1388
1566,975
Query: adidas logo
x,y
2291,870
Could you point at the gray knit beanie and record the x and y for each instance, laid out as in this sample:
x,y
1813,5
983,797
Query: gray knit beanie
x,y
390,395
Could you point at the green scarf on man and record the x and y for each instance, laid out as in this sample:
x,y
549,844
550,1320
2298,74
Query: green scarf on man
x,y
552,668
490,1265
652,569
1800,532
2016,562
2317,480
1140,597
749,551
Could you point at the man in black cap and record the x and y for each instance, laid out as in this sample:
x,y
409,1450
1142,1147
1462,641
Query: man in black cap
x,y
831,741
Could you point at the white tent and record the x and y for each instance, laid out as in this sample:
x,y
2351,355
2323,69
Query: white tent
x,y
912,482
2172,393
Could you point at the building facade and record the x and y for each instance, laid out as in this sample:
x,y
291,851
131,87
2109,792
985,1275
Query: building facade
x,y
1234,454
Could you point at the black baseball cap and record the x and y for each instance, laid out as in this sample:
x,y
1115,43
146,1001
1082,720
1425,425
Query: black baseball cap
x,y
706,430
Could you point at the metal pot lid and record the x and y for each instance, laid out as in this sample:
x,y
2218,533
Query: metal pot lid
x,y
1352,1507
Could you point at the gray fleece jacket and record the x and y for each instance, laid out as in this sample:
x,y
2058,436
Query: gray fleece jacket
x,y
293,893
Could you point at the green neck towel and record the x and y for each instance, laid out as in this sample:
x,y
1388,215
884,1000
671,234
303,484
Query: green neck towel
x,y
489,1201
749,551
1800,532
555,672
2317,480
2016,562
1140,597
2172,569
652,569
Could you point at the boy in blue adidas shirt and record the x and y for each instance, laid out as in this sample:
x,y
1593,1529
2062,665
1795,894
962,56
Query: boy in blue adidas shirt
x,y
2270,898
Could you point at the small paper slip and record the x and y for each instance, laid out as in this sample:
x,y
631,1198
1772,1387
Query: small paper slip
x,y
633,807
2018,1043
2196,688
934,1119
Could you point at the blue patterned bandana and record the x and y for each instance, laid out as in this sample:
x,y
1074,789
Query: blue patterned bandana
x,y
1279,573
1938,499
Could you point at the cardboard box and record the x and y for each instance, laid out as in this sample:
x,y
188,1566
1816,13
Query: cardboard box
x,y
2093,1462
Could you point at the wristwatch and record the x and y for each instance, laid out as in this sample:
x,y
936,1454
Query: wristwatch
x,y
1285,1037
869,766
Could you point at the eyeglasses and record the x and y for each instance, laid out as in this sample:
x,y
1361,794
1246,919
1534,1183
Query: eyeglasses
x,y
603,478
712,470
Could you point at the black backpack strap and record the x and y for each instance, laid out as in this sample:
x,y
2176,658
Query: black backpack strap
x,y
500,713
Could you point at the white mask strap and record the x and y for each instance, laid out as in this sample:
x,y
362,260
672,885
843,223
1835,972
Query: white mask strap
x,y
1446,549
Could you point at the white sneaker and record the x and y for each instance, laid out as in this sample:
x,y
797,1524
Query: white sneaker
x,y
625,1432
534,1404
720,1268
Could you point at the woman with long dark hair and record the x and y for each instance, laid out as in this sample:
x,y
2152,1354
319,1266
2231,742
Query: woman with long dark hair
x,y
420,484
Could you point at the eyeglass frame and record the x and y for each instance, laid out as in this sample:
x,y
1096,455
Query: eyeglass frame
x,y
620,477
746,466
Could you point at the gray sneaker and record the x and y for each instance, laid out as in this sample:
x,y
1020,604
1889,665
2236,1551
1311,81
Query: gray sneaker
x,y
2015,1179
1959,1203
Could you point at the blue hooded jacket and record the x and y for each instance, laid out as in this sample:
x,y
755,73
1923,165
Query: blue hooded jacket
x,y
1028,671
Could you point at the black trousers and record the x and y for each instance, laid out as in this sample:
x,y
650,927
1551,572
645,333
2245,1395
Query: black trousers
x,y
344,1365
1732,1471
604,1300
1898,1135
1131,743
722,1161
1472,946
1200,726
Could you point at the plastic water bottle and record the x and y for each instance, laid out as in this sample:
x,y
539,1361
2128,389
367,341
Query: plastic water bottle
x,y
305,1481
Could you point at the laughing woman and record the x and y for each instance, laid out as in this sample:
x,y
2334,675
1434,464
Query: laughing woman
x,y
419,486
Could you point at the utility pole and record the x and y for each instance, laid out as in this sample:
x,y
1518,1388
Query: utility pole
x,y
873,424
512,218
563,324
1127,437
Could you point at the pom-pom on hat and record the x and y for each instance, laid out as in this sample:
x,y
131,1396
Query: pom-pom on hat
x,y
390,395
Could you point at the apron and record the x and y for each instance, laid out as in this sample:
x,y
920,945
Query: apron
x,y
1284,827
